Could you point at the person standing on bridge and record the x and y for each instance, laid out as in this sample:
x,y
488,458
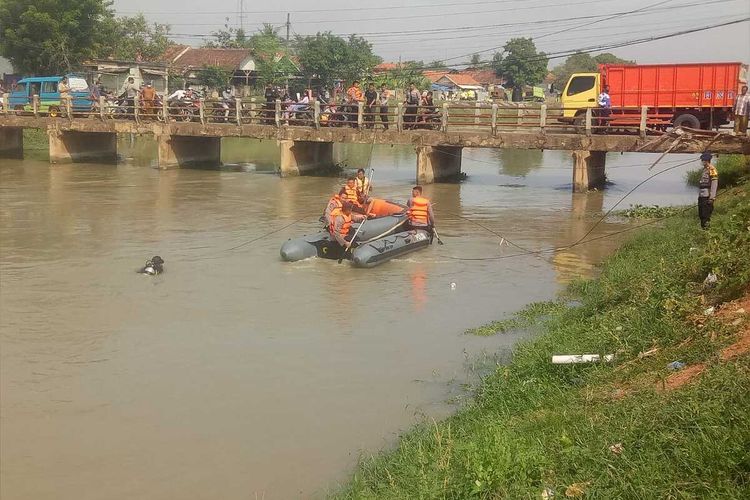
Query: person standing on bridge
x,y
353,97
741,110
130,92
605,108
707,187
383,98
412,105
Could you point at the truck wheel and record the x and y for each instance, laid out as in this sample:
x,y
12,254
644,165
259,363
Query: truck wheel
x,y
687,120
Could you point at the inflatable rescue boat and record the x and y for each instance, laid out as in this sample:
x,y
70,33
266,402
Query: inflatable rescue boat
x,y
381,239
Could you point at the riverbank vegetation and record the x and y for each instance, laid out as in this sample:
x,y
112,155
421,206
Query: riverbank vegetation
x,y
639,427
731,169
35,139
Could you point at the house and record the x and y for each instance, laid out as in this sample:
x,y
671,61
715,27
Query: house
x,y
113,73
187,62
457,82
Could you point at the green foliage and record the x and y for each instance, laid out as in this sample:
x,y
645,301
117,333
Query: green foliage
x,y
648,212
732,169
409,72
525,318
133,37
437,64
53,36
584,63
228,38
522,64
328,57
606,427
475,60
214,77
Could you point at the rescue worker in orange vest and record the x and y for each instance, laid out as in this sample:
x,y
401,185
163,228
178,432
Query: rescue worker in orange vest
x,y
362,183
335,202
341,224
349,193
420,212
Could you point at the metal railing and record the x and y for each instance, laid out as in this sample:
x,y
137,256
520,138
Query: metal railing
x,y
444,117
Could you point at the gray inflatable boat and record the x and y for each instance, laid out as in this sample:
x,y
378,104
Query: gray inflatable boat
x,y
383,249
323,245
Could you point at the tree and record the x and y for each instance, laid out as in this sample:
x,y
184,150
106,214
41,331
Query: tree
x,y
214,77
475,60
583,63
407,72
497,62
134,38
327,57
53,36
437,64
228,38
522,64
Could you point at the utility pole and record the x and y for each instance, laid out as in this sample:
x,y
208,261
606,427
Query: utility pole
x,y
242,14
288,27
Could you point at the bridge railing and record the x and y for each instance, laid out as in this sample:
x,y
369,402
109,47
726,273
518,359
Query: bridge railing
x,y
445,117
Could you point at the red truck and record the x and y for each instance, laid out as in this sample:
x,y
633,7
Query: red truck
x,y
697,95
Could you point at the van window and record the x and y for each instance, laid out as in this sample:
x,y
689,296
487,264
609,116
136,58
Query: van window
x,y
35,86
78,84
581,84
20,88
49,87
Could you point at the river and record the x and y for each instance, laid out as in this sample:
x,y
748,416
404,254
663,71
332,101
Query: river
x,y
236,375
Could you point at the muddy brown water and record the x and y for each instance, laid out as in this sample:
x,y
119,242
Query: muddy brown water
x,y
236,375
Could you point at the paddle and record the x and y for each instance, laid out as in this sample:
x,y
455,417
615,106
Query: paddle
x,y
361,225
434,231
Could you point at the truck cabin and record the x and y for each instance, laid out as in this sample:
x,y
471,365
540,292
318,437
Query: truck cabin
x,y
580,93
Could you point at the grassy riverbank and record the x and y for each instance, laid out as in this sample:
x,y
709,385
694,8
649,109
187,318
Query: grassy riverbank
x,y
627,429
35,139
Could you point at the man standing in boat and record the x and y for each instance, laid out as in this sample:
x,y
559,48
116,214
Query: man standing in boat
x,y
349,192
420,212
341,224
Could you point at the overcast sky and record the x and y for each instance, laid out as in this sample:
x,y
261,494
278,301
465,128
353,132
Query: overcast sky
x,y
441,29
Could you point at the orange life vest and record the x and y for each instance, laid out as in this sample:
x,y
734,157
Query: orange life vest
x,y
334,203
419,211
351,194
345,227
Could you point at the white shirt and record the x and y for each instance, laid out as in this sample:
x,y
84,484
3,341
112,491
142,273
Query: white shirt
x,y
177,94
741,103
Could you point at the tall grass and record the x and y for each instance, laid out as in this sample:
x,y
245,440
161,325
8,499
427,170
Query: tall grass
x,y
731,168
605,430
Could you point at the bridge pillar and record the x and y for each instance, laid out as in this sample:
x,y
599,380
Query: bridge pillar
x,y
301,157
74,147
437,163
11,142
588,170
179,151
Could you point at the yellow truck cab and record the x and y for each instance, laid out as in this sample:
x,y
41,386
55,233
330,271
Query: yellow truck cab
x,y
580,93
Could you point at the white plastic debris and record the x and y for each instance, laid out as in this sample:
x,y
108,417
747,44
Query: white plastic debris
x,y
709,311
569,359
711,279
453,286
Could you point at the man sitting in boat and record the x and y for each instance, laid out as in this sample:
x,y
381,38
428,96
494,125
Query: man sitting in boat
x,y
420,211
341,223
362,183
350,193
335,202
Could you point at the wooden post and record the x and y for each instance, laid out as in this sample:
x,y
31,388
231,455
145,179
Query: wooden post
x,y
444,118
494,118
252,110
588,121
69,107
34,105
400,116
316,113
6,103
477,112
360,114
202,110
543,117
519,114
165,108
102,107
238,110
644,119
278,112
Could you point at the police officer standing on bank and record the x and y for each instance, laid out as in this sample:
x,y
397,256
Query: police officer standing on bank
x,y
707,187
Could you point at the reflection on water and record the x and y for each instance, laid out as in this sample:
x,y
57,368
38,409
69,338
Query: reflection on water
x,y
234,373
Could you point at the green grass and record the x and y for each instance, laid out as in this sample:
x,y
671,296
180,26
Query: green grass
x,y
526,317
35,139
732,169
648,212
537,426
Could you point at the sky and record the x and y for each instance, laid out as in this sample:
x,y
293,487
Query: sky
x,y
452,31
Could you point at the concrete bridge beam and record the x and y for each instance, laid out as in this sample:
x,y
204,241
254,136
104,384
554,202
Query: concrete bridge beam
x,y
588,170
437,163
302,157
74,147
178,151
11,142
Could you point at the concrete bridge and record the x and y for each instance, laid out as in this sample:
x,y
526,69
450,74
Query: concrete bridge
x,y
306,148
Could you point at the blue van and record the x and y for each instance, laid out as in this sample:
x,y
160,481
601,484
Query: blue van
x,y
21,97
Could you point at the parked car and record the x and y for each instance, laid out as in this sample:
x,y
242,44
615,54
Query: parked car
x,y
21,97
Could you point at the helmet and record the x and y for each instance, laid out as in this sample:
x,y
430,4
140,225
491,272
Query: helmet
x,y
706,156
